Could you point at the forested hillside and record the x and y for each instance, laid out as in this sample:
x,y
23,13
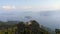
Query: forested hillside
x,y
30,27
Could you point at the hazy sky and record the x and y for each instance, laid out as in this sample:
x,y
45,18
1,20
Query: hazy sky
x,y
30,5
14,10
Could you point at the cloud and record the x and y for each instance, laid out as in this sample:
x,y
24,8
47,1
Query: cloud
x,y
8,7
32,8
26,7
40,8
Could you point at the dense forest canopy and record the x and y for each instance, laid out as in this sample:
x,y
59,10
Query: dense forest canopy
x,y
31,26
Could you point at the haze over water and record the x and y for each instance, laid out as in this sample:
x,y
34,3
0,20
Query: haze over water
x,y
46,12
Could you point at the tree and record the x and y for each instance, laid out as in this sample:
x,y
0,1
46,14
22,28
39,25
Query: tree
x,y
57,31
34,27
20,27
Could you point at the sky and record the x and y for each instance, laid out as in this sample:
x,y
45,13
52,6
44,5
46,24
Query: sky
x,y
30,5
46,12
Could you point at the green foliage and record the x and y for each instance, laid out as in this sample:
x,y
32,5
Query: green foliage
x,y
23,28
57,31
